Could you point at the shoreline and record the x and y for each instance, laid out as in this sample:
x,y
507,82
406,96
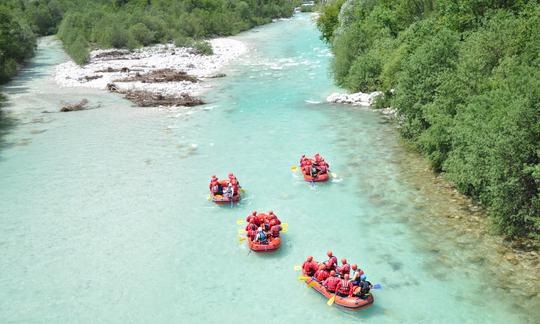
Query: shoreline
x,y
122,69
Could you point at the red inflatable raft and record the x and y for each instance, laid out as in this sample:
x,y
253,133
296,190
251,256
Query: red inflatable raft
x,y
352,303
272,246
222,200
318,178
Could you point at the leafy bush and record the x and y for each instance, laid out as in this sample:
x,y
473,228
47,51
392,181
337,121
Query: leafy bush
x,y
204,48
142,34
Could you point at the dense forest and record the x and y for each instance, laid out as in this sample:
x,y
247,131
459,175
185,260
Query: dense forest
x,y
464,77
84,24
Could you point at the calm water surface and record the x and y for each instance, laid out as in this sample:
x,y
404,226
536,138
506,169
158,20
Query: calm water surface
x,y
105,217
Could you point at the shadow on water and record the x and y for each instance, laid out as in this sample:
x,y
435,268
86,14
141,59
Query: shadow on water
x,y
7,123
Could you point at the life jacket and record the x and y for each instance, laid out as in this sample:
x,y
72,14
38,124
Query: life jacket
x,y
308,268
251,234
345,269
321,275
344,287
274,230
331,283
364,287
333,262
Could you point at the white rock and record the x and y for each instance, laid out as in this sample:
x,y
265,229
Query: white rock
x,y
355,99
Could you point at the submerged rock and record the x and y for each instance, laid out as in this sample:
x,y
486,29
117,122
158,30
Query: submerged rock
x,y
151,99
81,105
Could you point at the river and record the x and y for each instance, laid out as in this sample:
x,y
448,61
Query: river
x,y
105,216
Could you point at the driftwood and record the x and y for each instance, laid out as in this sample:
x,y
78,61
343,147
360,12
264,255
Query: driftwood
x,y
158,76
111,70
81,105
150,99
92,77
112,87
113,54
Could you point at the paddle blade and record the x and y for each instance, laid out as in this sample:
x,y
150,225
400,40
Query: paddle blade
x,y
242,239
333,175
377,286
209,198
312,284
284,224
242,190
297,268
294,168
240,222
331,300
241,231
303,278
284,230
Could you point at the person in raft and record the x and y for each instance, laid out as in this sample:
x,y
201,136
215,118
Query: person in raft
x,y
363,289
310,266
215,186
228,193
261,236
331,282
234,182
331,264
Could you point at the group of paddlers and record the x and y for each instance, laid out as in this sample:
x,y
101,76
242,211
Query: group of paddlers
x,y
314,167
336,279
262,228
227,188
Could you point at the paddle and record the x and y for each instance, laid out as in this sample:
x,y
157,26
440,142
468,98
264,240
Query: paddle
x,y
241,231
377,286
297,268
312,284
303,278
294,168
284,229
241,238
284,224
332,299
240,221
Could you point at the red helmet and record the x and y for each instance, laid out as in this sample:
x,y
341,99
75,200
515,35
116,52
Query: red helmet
x,y
231,175
254,213
343,261
321,266
309,258
329,253
271,212
332,273
354,266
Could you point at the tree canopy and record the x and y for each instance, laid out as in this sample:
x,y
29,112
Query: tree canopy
x,y
464,77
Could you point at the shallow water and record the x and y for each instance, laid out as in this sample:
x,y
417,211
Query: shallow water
x,y
105,216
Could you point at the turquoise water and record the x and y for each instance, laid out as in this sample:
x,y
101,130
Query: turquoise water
x,y
105,217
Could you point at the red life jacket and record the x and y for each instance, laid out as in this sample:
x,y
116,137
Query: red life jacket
x,y
344,287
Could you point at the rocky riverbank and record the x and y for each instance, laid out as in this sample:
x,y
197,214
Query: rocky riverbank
x,y
159,71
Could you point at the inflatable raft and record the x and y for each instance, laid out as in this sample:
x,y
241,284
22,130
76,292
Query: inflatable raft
x,y
318,178
222,200
272,246
352,303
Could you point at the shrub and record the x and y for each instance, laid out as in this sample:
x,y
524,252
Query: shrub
x,y
203,48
